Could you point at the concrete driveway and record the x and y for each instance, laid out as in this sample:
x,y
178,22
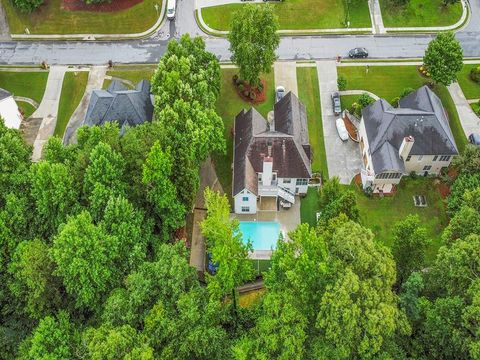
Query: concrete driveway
x,y
343,158
285,73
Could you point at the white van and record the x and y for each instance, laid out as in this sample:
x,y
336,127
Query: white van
x,y
171,5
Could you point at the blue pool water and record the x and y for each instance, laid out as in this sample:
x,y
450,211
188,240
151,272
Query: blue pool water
x,y
262,234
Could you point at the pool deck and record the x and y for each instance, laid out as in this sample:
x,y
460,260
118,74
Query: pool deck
x,y
288,220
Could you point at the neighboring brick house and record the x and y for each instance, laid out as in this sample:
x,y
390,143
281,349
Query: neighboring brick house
x,y
120,104
271,160
415,137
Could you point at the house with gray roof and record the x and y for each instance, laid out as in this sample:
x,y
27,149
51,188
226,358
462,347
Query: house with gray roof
x,y
271,159
118,103
414,137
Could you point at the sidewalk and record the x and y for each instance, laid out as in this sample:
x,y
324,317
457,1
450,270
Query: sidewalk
x,y
95,81
469,120
4,30
48,109
358,92
376,16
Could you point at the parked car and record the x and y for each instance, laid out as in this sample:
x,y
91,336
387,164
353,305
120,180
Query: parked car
x,y
337,107
341,129
474,139
171,7
279,93
358,53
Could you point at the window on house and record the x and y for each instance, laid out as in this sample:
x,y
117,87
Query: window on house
x,y
408,157
427,167
287,181
420,157
245,198
445,158
245,208
302,182
259,177
435,158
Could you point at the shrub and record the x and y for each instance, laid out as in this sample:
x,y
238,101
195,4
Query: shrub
x,y
241,87
246,93
406,91
235,78
342,83
475,74
364,100
395,101
27,6
260,87
253,95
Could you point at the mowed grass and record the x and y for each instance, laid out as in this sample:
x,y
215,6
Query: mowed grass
x,y
420,13
25,108
380,214
470,88
348,100
309,94
73,88
388,82
52,18
476,108
27,84
133,73
298,14
309,207
251,298
229,104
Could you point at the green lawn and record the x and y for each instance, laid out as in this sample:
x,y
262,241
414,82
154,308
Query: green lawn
x,y
309,94
51,18
28,84
476,108
229,104
420,13
298,14
379,214
389,81
348,100
25,108
73,88
133,73
470,88
309,207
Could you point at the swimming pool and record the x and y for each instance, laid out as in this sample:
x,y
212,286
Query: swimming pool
x,y
262,234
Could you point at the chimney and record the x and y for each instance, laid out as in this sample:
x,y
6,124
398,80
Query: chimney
x,y
406,147
267,171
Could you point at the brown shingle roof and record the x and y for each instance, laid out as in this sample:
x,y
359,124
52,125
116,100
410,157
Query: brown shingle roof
x,y
290,149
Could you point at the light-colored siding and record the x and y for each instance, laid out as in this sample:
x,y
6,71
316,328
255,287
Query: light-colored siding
x,y
417,164
10,113
251,202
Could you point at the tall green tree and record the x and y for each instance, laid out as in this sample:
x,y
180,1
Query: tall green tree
x,y
33,283
335,200
224,243
55,196
53,339
253,41
410,242
85,255
444,58
110,343
104,177
161,192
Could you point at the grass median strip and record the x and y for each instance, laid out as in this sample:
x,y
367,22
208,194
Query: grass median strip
x,y
73,88
309,94
52,18
299,14
420,13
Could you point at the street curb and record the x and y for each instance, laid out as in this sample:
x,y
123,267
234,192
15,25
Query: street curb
x,y
93,37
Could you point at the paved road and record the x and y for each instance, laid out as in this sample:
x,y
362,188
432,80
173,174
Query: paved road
x,y
291,48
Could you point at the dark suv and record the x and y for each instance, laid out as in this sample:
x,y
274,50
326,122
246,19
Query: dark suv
x,y
358,53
